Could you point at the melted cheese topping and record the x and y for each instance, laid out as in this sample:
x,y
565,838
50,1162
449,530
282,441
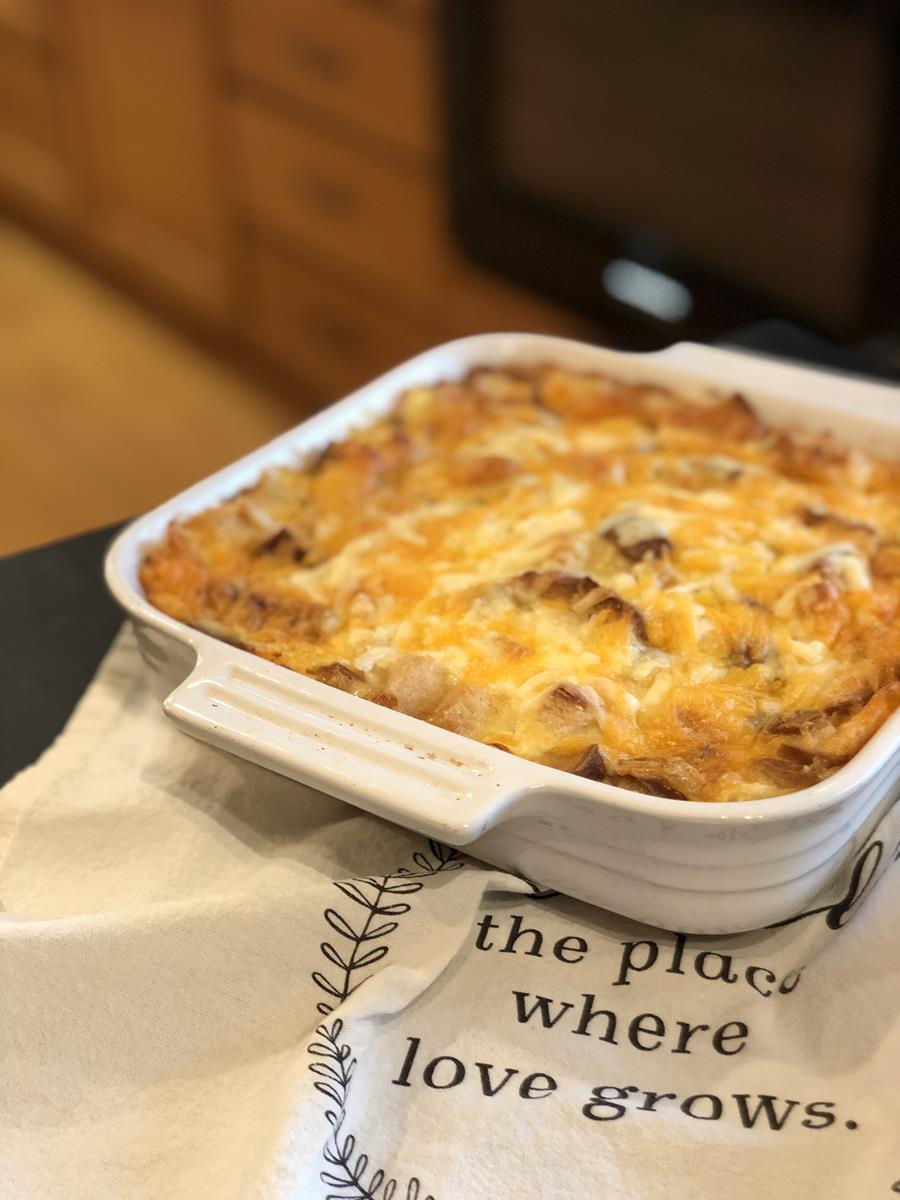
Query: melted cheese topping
x,y
602,577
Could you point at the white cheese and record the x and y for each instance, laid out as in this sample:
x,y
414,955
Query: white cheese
x,y
705,672
842,560
658,690
374,657
807,652
715,499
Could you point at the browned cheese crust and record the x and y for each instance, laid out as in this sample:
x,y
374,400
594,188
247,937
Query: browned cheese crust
x,y
603,577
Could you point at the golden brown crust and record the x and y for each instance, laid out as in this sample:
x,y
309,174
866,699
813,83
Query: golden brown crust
x,y
604,577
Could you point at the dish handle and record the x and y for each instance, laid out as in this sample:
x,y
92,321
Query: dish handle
x,y
427,779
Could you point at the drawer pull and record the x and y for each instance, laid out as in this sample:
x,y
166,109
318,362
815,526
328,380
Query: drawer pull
x,y
325,62
331,198
337,333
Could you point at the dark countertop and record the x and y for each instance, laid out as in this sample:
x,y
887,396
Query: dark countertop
x,y
56,622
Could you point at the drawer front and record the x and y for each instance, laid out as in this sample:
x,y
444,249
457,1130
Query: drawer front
x,y
368,62
33,164
320,330
27,102
25,18
348,207
148,110
383,222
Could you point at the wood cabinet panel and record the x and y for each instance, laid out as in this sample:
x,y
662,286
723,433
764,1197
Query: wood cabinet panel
x,y
192,143
356,209
146,78
377,218
372,64
33,166
23,17
26,96
320,329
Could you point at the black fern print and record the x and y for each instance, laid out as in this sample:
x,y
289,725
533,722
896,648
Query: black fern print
x,y
362,945
380,898
348,1170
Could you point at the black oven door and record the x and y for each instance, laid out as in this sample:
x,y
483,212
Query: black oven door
x,y
676,170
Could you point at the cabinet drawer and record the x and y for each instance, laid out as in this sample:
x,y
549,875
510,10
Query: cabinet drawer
x,y
33,164
369,62
381,221
25,18
349,207
321,330
27,102
147,118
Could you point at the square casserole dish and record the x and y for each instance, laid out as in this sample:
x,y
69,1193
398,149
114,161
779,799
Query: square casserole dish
x,y
685,865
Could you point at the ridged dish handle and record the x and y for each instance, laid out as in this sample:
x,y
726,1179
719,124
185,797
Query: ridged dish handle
x,y
432,781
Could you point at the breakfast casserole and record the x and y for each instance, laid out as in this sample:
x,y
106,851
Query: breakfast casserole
x,y
604,577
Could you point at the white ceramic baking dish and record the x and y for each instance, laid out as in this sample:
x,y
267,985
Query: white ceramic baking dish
x,y
702,868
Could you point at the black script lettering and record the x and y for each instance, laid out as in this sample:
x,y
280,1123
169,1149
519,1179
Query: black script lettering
x,y
680,942
715,1105
516,931
720,1037
578,947
711,965
750,975
823,1119
403,1079
485,925
646,1031
638,1027
588,1013
529,1089
599,1100
783,987
628,964
458,1069
724,972
542,1005
487,1085
766,1104
686,1033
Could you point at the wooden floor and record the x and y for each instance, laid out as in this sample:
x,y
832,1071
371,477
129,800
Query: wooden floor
x,y
104,410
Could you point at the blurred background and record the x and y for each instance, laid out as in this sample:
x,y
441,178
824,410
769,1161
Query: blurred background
x,y
218,215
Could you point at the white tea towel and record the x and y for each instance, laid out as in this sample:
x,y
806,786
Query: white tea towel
x,y
219,984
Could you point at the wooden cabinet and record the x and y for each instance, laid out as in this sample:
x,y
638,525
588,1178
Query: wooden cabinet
x,y
374,217
346,204
27,18
370,66
336,151
34,163
270,168
323,327
145,84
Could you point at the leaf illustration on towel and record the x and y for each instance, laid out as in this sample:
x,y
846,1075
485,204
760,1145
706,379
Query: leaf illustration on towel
x,y
376,897
333,1069
340,924
348,1169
